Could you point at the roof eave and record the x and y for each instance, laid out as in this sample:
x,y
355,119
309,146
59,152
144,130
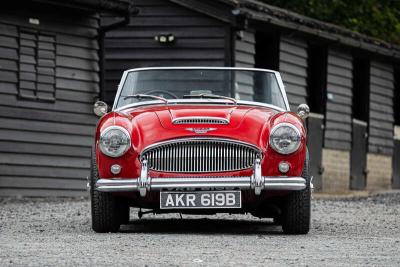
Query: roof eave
x,y
118,7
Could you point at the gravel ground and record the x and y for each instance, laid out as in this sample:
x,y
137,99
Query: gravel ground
x,y
56,232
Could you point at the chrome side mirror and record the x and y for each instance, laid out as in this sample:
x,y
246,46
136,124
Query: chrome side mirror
x,y
100,108
303,110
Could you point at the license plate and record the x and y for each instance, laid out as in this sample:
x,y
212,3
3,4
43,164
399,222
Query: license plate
x,y
201,200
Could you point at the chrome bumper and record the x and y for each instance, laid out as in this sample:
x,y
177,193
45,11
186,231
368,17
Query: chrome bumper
x,y
144,183
157,184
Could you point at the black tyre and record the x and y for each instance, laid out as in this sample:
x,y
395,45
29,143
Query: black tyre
x,y
107,213
297,207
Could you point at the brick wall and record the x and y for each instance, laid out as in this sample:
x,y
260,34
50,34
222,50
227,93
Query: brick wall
x,y
379,171
336,176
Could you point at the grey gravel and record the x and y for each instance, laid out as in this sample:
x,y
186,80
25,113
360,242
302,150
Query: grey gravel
x,y
56,232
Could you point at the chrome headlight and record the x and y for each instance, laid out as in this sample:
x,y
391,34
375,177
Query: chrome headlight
x,y
114,141
285,138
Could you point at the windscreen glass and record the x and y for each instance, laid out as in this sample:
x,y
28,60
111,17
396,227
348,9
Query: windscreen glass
x,y
189,83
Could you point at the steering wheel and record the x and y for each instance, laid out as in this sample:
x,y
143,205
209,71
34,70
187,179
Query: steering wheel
x,y
162,92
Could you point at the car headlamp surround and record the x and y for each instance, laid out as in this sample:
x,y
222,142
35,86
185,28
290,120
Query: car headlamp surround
x,y
119,145
287,145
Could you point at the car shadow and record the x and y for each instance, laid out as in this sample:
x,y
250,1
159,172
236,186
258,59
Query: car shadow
x,y
201,226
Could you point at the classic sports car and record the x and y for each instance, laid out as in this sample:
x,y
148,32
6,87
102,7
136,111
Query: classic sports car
x,y
179,140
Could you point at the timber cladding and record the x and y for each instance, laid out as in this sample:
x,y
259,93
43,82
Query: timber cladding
x,y
381,108
338,117
244,57
48,79
37,64
199,41
293,68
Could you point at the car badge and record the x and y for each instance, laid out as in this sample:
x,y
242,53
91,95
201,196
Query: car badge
x,y
201,130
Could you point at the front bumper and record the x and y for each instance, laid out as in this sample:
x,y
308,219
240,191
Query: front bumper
x,y
144,183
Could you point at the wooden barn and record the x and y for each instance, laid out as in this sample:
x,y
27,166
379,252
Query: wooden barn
x,y
347,79
350,81
49,79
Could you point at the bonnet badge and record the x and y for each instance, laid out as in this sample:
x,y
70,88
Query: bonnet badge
x,y
201,130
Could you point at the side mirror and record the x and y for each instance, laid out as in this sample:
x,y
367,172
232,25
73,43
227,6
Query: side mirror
x,y
303,110
100,108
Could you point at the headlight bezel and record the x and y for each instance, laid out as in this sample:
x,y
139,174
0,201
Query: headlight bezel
x,y
103,134
293,127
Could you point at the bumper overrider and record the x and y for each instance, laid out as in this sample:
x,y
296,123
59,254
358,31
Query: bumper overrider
x,y
256,182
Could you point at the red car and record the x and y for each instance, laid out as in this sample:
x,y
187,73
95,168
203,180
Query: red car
x,y
180,140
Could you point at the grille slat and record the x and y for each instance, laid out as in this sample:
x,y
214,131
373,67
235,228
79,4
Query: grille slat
x,y
199,155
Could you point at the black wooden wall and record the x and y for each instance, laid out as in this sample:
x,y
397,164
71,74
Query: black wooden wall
x,y
381,108
293,68
48,81
200,41
292,57
244,53
338,117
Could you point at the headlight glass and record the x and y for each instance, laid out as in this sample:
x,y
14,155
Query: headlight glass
x,y
285,138
114,141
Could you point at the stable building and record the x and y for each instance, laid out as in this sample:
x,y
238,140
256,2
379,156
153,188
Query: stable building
x,y
58,57
49,80
349,80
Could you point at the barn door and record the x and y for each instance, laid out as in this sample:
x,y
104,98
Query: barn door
x,y
360,105
315,133
396,164
358,156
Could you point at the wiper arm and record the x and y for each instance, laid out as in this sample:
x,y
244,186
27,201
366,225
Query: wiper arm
x,y
212,96
141,96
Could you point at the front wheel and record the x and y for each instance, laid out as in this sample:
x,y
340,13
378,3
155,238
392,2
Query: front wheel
x,y
297,207
107,212
104,213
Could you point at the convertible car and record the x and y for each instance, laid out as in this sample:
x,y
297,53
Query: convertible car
x,y
180,140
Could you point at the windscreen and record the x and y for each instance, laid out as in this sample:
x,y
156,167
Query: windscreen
x,y
189,83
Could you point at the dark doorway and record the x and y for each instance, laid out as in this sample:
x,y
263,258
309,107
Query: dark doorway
x,y
361,74
396,112
267,57
316,98
316,73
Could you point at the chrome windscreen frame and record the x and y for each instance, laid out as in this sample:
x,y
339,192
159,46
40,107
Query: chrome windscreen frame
x,y
201,101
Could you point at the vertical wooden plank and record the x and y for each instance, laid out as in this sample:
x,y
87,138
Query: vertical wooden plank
x,y
338,122
293,68
244,57
381,108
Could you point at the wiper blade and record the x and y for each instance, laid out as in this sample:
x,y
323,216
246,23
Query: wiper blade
x,y
211,96
141,96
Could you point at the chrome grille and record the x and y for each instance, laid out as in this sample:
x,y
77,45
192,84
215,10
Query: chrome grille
x,y
198,155
200,120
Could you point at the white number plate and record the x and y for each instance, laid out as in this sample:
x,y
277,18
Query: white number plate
x,y
201,200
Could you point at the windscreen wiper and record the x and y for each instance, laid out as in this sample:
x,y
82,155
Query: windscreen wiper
x,y
211,96
141,96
